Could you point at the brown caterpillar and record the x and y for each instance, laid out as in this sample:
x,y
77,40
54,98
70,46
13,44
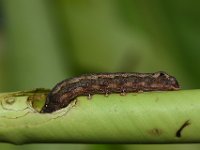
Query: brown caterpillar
x,y
105,83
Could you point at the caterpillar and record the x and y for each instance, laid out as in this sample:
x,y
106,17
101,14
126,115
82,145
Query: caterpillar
x,y
107,83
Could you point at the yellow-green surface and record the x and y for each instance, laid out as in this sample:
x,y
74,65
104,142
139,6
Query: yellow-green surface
x,y
150,117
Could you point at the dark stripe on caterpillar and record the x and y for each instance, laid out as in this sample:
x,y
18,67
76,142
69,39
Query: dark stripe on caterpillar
x,y
106,83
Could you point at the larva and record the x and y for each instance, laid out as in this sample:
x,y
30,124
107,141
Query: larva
x,y
106,83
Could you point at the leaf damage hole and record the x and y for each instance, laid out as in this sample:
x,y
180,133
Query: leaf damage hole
x,y
186,123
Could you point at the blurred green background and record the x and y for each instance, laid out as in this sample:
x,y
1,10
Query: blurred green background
x,y
43,42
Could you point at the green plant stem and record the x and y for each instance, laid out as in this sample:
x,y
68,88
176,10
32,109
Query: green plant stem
x,y
149,117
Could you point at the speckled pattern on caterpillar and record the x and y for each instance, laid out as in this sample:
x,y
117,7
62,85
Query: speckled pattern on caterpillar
x,y
107,83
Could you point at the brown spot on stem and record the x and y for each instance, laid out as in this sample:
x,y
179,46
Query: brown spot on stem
x,y
155,132
10,101
178,133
